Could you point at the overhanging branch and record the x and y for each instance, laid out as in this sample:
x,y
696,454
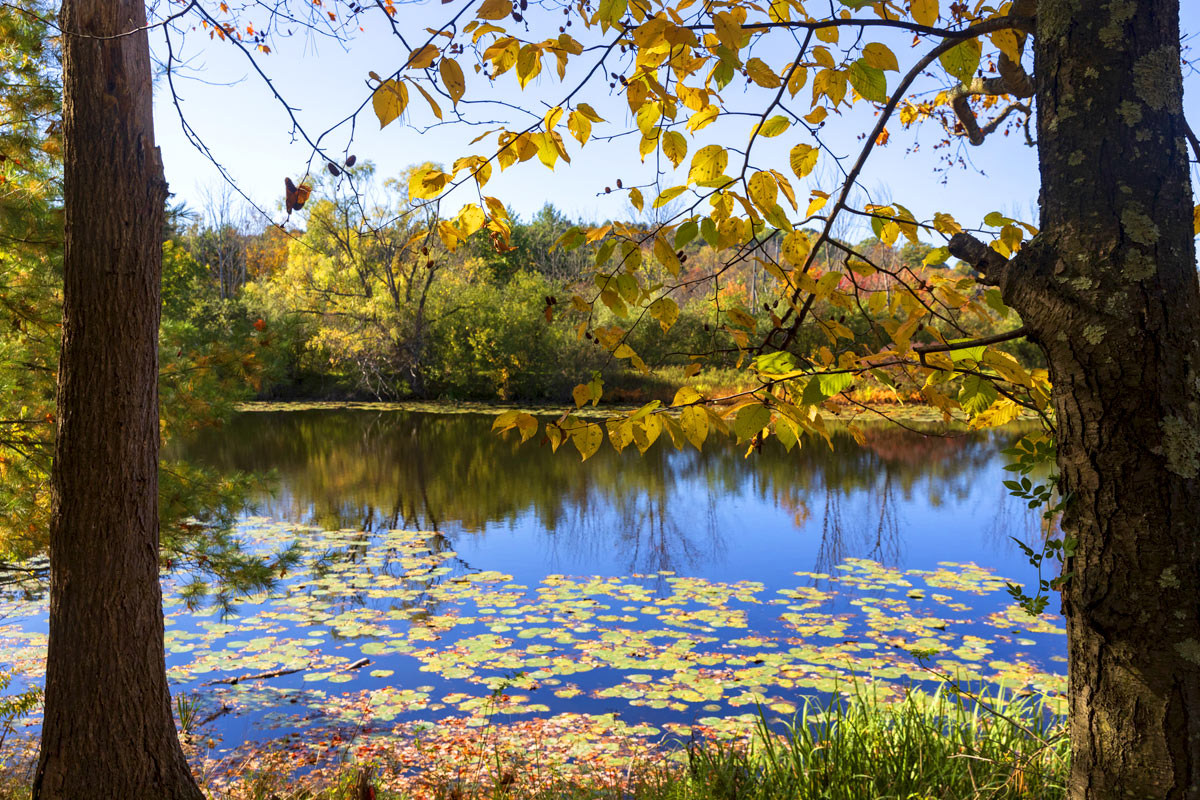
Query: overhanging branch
x,y
1015,333
990,265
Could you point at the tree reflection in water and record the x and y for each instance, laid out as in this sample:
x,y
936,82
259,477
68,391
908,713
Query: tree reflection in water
x,y
379,470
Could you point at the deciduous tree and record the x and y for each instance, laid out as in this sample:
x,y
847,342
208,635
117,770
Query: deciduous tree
x,y
1105,283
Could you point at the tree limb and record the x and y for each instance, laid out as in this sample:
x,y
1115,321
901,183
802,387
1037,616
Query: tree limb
x,y
991,266
1191,137
1013,80
1015,333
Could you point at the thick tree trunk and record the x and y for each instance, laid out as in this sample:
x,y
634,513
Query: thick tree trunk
x,y
108,731
1110,290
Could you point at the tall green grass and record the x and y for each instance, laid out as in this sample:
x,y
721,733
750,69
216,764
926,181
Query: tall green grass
x,y
925,747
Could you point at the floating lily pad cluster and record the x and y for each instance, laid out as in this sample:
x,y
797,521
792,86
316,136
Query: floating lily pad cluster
x,y
380,630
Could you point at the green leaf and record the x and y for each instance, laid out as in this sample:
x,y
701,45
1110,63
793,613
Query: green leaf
x,y
750,421
977,394
962,60
995,302
687,231
936,256
774,126
868,81
821,387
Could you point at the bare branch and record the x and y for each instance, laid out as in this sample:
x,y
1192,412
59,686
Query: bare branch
x,y
990,265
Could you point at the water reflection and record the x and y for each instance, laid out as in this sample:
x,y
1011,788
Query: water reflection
x,y
664,510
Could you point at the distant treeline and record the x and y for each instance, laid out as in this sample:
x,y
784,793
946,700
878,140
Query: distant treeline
x,y
356,301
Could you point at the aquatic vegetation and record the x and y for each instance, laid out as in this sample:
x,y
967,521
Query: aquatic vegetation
x,y
378,635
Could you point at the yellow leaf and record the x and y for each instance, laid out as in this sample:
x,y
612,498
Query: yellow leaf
x,y
763,190
552,117
648,144
669,195
505,421
760,73
579,126
423,57
741,318
750,421
702,118
816,205
503,54
774,126
829,34
694,421
666,311
944,223
587,439
646,431
832,84
389,101
880,57
925,12
589,112
674,147
1008,42
635,198
729,30
647,117
529,64
555,435
620,433
803,158
817,115
796,82
471,219
686,395
666,256
786,187
527,424
426,182
452,79
494,9
582,394
437,110
708,165
1196,220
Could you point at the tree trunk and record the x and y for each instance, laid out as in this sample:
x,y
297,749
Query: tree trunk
x,y
108,730
1109,289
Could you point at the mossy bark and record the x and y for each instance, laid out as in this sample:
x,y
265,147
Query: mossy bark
x,y
108,730
1109,289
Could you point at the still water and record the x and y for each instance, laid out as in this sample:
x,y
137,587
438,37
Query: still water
x,y
451,573
903,499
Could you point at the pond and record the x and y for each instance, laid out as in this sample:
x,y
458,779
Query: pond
x,y
451,574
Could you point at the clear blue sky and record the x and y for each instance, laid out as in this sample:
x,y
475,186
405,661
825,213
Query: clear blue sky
x,y
246,129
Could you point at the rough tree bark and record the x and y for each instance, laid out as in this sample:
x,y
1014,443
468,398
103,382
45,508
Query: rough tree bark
x,y
108,730
1109,290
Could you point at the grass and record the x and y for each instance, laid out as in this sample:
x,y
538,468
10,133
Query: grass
x,y
924,747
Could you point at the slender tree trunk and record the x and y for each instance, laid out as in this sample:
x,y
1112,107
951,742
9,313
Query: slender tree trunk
x,y
108,731
1109,288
